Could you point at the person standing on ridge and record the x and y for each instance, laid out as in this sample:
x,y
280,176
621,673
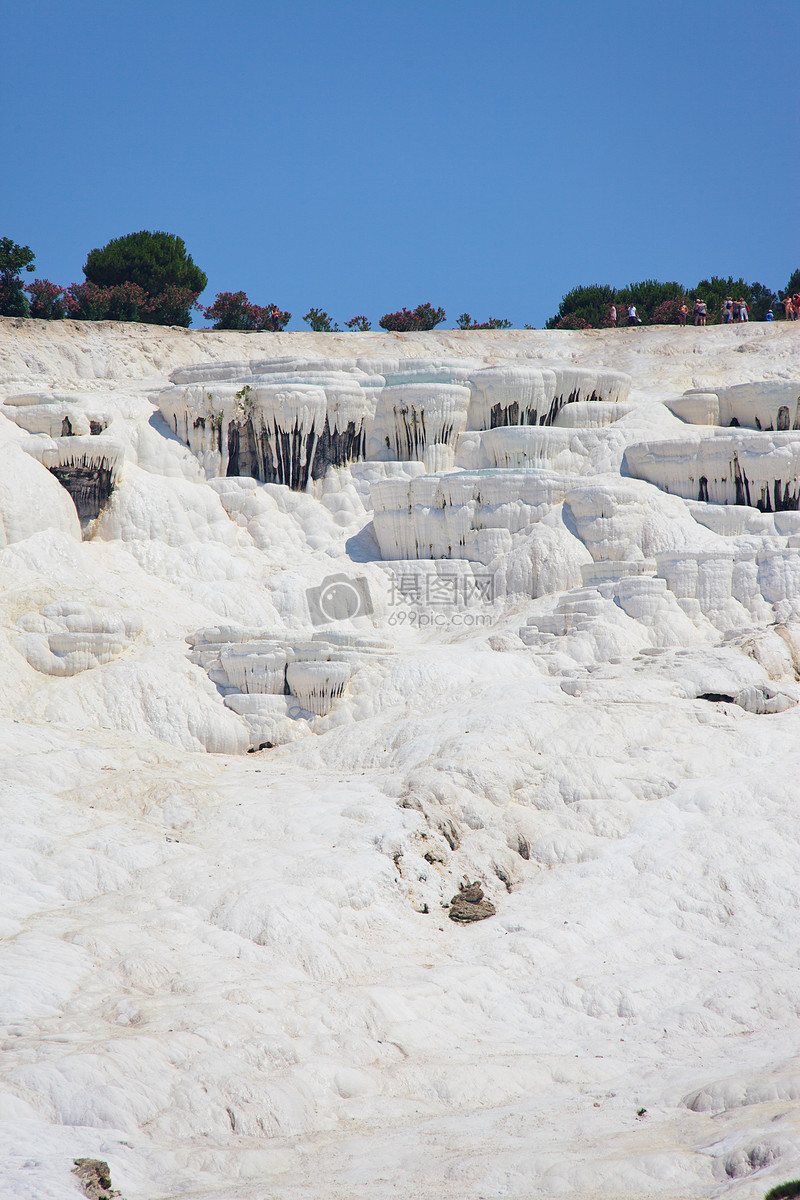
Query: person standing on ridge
x,y
612,316
683,312
633,316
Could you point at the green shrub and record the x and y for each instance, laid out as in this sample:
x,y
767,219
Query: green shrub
x,y
13,259
784,1191
319,321
714,291
156,261
794,283
465,321
647,296
590,304
13,301
792,287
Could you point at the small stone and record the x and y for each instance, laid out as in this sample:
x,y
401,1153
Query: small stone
x,y
472,893
470,904
95,1178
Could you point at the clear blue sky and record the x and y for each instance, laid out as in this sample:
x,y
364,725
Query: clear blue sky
x,y
360,156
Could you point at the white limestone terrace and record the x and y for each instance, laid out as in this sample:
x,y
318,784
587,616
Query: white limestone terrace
x,y
289,421
763,404
753,469
279,682
231,974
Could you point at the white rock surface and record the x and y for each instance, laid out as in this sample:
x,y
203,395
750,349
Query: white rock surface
x,y
233,974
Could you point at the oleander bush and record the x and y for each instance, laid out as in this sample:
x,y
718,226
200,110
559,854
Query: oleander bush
x,y
128,302
47,302
668,312
358,324
87,301
172,306
573,321
410,320
233,310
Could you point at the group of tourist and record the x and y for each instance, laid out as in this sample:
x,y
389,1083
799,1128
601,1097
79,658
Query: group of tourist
x,y
732,311
633,316
791,306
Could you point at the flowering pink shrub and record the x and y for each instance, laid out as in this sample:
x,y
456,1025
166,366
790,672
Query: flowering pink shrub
x,y
232,310
87,301
359,324
46,300
667,312
173,306
573,321
408,320
127,302
268,318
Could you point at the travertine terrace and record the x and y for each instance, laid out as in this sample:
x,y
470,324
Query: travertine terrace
x,y
300,634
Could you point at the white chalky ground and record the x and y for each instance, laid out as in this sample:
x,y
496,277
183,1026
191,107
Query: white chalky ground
x,y
233,975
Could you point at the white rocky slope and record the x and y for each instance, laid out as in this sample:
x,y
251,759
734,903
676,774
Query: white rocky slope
x,y
234,975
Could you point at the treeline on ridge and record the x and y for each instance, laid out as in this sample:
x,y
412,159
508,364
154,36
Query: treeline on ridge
x,y
150,277
657,303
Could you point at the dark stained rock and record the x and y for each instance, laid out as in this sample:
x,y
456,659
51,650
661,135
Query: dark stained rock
x,y
470,904
95,1178
89,484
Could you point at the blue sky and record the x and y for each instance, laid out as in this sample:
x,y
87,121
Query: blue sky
x,y
359,156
